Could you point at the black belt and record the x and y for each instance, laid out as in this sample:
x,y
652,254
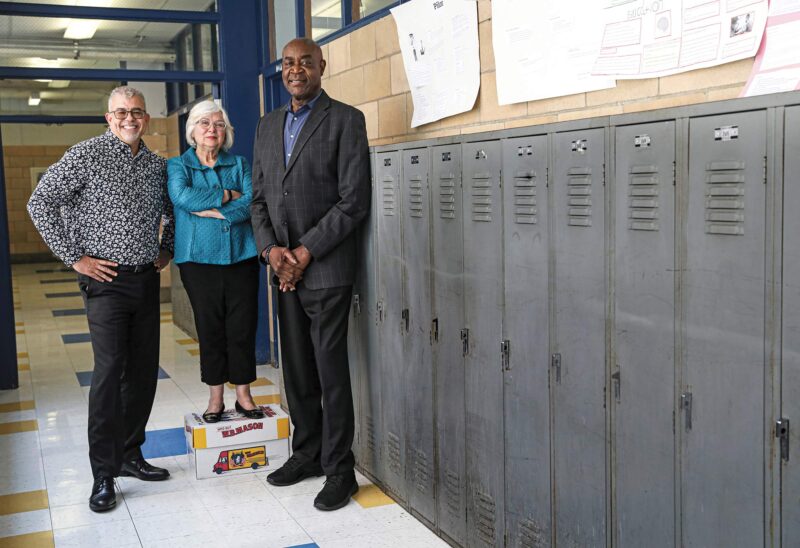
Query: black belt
x,y
135,267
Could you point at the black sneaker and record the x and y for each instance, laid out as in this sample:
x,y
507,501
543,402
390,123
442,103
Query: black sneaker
x,y
293,471
337,491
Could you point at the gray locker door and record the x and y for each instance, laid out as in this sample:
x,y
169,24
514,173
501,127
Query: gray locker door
x,y
390,305
416,324
723,403
367,368
483,307
578,374
525,328
790,381
448,319
643,378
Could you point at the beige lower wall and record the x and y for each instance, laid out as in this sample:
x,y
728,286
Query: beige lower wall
x,y
365,69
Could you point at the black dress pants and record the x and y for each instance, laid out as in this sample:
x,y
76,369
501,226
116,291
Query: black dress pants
x,y
225,303
124,324
316,373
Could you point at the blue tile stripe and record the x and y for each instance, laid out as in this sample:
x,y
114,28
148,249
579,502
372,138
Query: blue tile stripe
x,y
164,443
85,377
59,295
73,338
58,281
48,270
309,545
69,312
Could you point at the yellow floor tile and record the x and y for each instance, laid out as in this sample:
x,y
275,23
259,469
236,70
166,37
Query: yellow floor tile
x,y
23,502
31,540
19,324
22,354
20,331
166,313
186,341
270,398
166,320
24,367
369,496
258,382
17,406
194,351
19,426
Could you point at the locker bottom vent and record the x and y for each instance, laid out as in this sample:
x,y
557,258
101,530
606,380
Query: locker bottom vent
x,y
395,463
485,515
422,472
370,434
452,489
531,535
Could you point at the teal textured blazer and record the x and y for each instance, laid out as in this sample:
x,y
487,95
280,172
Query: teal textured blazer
x,y
196,187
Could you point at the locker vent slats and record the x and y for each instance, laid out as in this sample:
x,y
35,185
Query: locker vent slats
x,y
415,197
525,211
531,535
643,198
485,515
482,197
388,195
395,463
452,487
724,210
579,210
447,196
422,472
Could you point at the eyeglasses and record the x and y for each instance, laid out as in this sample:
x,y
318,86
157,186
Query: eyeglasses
x,y
121,113
205,123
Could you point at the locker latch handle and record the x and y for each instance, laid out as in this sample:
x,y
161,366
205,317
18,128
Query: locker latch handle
x,y
404,317
782,432
464,341
615,379
379,311
435,330
686,405
505,354
356,305
555,364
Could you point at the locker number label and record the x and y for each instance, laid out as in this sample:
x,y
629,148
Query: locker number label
x,y
387,162
445,156
579,146
414,160
641,141
726,133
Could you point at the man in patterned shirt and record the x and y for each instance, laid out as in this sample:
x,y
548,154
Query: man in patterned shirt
x,y
99,209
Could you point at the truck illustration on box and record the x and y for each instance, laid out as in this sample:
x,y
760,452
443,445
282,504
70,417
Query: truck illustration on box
x,y
237,459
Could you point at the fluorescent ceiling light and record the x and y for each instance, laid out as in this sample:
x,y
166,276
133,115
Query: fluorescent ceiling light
x,y
43,81
58,84
34,99
80,29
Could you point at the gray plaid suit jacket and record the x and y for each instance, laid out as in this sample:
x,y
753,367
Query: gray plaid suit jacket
x,y
321,196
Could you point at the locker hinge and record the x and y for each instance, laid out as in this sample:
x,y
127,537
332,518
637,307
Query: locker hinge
x,y
604,175
505,354
686,405
379,311
464,341
555,365
356,305
615,379
547,177
435,330
782,433
765,170
674,173
404,320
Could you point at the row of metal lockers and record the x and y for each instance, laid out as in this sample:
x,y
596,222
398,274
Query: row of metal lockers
x,y
588,335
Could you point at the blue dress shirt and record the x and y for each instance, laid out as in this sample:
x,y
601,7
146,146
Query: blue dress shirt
x,y
292,125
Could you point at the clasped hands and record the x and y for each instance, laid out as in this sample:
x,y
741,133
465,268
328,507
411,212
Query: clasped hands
x,y
214,213
289,265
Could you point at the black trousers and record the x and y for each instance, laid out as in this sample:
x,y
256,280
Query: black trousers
x,y
316,373
225,303
124,323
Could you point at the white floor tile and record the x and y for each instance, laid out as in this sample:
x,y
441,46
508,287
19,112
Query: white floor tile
x,y
116,533
23,523
78,515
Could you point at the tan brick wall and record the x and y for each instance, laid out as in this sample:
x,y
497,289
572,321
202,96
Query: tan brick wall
x,y
19,160
365,69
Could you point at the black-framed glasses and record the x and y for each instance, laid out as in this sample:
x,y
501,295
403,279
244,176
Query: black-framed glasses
x,y
121,113
205,123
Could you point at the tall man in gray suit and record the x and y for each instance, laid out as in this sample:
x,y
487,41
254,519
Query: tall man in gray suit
x,y
311,189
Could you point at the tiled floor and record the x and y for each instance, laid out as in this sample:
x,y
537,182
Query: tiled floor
x,y
45,478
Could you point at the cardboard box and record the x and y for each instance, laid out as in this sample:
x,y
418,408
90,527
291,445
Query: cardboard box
x,y
236,444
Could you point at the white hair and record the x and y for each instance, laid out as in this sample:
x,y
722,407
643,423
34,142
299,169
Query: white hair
x,y
125,91
202,110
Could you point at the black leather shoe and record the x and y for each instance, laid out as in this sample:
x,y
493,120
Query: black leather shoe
x,y
213,416
140,468
103,496
293,471
256,413
337,491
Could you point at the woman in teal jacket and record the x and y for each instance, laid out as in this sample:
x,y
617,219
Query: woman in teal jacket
x,y
216,254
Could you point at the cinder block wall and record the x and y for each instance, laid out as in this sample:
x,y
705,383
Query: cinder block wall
x,y
365,69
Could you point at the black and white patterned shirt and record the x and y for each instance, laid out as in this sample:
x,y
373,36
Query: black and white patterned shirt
x,y
101,201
